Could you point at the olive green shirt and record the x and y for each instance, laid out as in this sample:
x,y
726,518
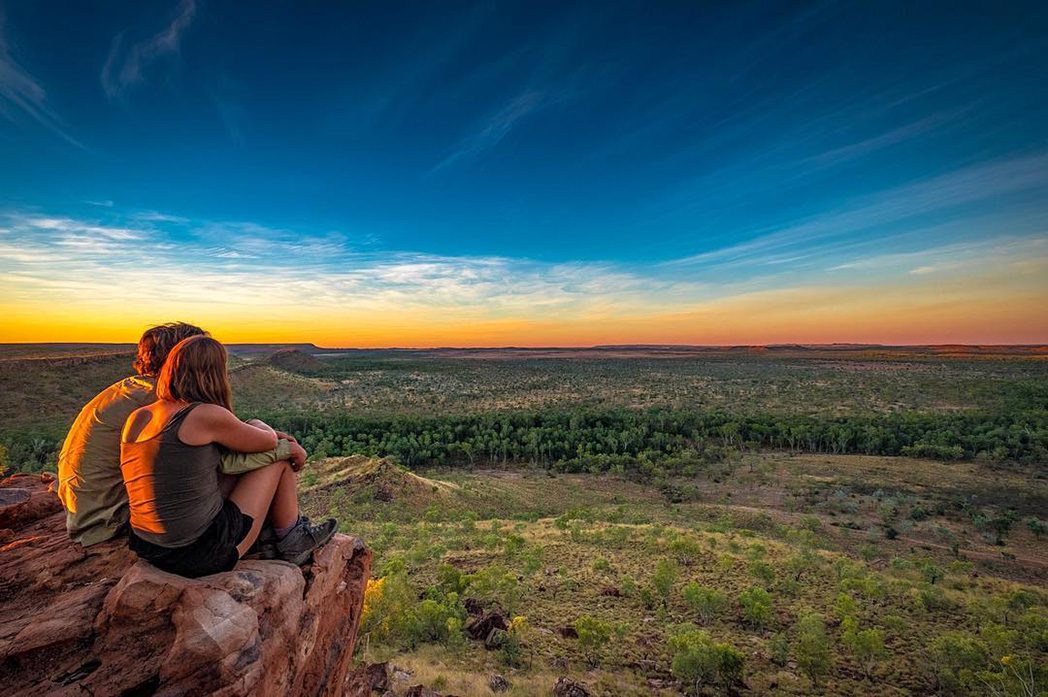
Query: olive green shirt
x,y
89,480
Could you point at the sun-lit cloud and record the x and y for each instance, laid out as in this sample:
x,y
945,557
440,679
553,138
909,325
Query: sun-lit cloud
x,y
63,277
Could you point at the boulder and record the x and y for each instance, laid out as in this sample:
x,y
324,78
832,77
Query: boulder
x,y
566,687
568,632
496,639
498,683
97,621
421,691
480,628
373,677
473,606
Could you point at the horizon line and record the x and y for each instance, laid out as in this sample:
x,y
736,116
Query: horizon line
x,y
576,347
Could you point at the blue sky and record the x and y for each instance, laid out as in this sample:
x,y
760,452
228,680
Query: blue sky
x,y
598,160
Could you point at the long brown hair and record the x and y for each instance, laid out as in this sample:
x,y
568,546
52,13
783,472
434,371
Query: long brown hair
x,y
195,371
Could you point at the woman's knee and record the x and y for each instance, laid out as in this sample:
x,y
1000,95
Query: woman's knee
x,y
280,467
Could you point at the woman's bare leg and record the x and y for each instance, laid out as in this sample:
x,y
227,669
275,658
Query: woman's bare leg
x,y
283,510
257,491
226,482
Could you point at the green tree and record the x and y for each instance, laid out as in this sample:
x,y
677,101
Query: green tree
x,y
931,573
756,606
699,661
953,659
812,646
779,649
594,635
706,602
666,573
867,645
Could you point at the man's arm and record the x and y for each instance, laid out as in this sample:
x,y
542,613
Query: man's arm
x,y
239,463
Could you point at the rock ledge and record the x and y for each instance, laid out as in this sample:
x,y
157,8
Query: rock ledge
x,y
95,621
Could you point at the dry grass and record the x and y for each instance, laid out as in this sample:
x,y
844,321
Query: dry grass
x,y
615,532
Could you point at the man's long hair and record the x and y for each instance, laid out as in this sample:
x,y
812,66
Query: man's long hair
x,y
195,371
157,342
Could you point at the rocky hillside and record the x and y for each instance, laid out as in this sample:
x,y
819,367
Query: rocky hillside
x,y
295,361
95,621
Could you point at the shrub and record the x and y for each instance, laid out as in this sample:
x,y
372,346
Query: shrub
x,y
1014,675
1033,630
900,564
699,661
756,606
779,649
451,580
593,636
869,552
812,646
953,660
867,645
844,606
931,598
666,573
647,598
706,602
919,513
394,614
762,571
811,523
494,584
511,642
931,573
685,549
802,562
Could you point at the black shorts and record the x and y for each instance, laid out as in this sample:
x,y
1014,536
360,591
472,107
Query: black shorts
x,y
212,552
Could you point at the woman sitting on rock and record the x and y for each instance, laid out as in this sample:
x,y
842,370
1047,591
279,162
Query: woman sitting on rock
x,y
186,516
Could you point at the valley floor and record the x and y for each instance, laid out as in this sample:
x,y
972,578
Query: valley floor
x,y
828,574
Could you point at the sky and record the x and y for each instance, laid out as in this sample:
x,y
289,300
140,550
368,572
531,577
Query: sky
x,y
526,174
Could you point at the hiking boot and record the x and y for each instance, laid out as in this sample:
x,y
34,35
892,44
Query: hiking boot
x,y
298,545
265,545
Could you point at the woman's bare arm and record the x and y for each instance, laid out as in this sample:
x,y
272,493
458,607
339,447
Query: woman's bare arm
x,y
259,423
210,423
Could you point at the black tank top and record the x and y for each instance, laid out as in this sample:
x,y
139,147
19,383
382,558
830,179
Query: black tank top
x,y
172,487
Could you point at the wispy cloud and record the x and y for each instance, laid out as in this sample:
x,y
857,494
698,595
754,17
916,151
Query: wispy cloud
x,y
972,185
235,263
312,281
127,63
21,95
490,132
909,131
968,256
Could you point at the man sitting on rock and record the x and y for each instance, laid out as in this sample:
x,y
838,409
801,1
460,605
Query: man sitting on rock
x,y
89,480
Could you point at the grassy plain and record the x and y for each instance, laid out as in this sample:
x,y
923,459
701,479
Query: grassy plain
x,y
809,573
809,530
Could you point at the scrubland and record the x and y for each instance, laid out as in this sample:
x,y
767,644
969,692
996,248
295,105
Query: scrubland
x,y
660,521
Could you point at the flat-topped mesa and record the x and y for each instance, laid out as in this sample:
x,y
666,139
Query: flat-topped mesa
x,y
95,621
